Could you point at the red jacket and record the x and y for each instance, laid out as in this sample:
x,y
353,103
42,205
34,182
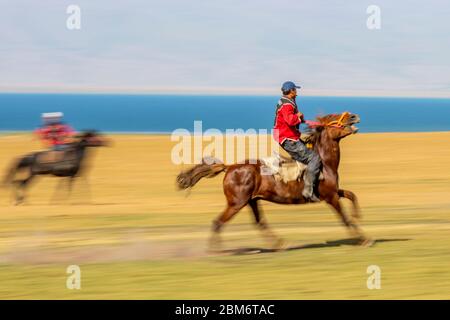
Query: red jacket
x,y
286,121
55,134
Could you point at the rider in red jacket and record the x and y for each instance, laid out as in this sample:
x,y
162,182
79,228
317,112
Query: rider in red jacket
x,y
54,133
286,131
287,120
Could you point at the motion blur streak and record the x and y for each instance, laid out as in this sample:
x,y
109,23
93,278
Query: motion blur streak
x,y
137,237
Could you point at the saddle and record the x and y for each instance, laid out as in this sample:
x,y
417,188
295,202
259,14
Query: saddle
x,y
284,168
54,157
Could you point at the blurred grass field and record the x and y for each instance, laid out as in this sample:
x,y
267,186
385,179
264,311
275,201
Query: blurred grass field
x,y
139,238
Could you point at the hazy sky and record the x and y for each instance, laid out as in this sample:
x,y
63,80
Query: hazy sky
x,y
227,46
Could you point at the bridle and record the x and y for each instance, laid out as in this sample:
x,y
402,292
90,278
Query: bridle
x,y
335,123
338,123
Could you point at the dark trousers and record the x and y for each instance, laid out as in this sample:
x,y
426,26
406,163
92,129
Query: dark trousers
x,y
299,152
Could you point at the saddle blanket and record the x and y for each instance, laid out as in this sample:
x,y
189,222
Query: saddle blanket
x,y
283,168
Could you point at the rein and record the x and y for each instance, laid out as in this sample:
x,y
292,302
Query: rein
x,y
335,123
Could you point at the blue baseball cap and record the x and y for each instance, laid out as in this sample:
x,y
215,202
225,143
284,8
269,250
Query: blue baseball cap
x,y
289,85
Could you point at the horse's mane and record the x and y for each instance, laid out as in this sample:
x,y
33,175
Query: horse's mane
x,y
314,132
312,137
327,118
88,133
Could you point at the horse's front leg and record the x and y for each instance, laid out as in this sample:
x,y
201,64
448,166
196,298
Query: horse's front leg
x,y
87,189
57,193
356,213
70,182
352,226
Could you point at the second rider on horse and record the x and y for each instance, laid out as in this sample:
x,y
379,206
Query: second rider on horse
x,y
55,134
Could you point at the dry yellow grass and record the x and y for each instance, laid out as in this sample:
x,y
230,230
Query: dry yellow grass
x,y
139,237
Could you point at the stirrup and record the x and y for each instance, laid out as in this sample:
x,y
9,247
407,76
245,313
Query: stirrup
x,y
310,197
313,198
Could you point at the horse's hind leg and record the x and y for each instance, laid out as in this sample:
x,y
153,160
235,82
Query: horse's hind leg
x,y
353,227
70,183
58,194
18,194
227,214
20,189
352,197
277,242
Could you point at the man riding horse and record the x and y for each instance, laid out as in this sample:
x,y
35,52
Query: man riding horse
x,y
245,184
70,165
286,131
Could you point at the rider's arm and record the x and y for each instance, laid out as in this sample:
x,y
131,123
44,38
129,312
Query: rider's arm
x,y
291,118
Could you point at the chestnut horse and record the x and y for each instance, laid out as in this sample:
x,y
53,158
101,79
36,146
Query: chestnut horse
x,y
244,184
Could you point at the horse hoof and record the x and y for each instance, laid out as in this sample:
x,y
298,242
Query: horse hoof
x,y
280,245
366,242
214,252
214,246
356,219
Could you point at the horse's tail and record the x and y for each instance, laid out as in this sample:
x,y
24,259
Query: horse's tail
x,y
189,178
21,163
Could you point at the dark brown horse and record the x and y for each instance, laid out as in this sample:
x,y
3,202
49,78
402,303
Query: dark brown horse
x,y
70,166
244,184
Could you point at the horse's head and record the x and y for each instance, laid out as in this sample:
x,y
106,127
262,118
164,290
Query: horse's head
x,y
340,125
92,138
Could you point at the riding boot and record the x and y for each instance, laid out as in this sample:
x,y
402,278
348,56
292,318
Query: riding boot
x,y
308,188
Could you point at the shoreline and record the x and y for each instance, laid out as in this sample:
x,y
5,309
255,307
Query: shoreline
x,y
268,92
162,133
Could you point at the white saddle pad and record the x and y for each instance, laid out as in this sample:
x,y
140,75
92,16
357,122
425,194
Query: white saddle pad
x,y
283,168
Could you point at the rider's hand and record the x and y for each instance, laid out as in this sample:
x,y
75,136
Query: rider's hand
x,y
300,115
